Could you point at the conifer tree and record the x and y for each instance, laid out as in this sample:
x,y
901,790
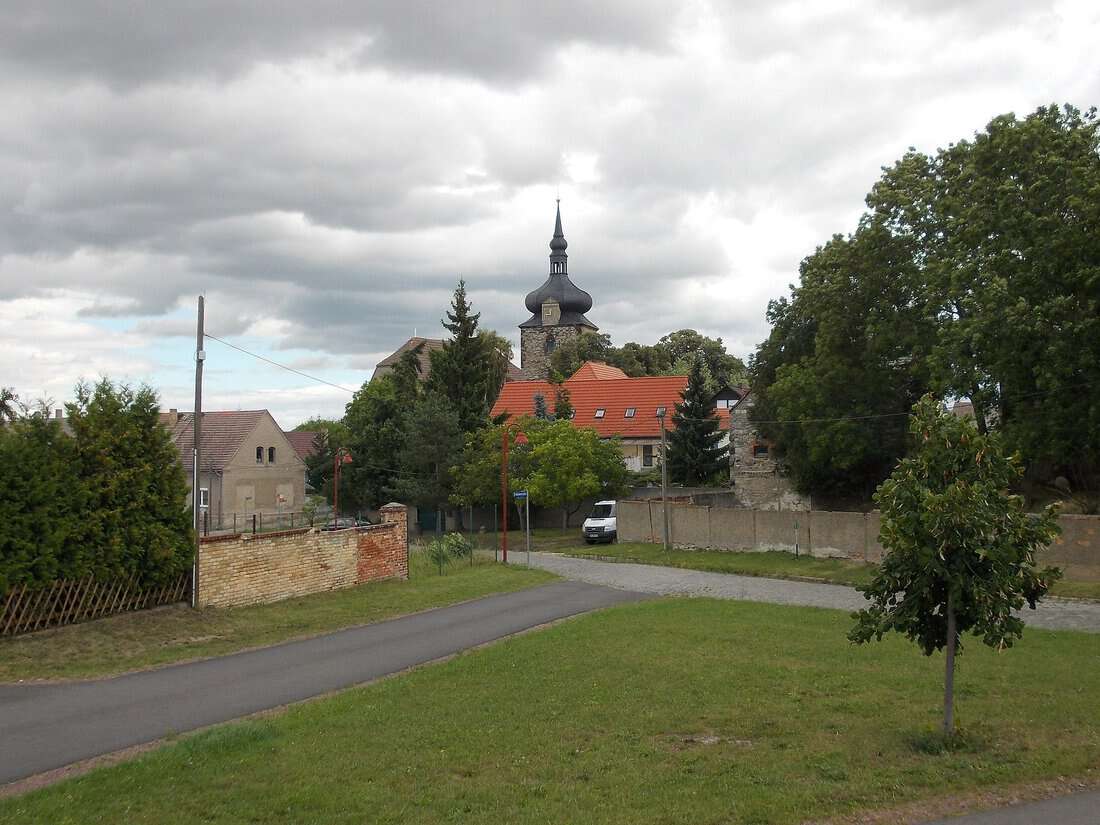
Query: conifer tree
x,y
542,412
695,456
461,371
563,406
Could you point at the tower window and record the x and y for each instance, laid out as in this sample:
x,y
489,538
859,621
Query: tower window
x,y
550,344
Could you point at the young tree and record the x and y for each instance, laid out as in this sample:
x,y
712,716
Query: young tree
x,y
431,445
570,464
563,406
960,549
542,412
695,456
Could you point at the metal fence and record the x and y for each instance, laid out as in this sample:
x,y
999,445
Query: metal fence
x,y
67,601
212,523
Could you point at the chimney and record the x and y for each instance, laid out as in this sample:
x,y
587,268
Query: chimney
x,y
173,417
58,413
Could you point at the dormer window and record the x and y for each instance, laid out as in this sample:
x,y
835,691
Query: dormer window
x,y
572,414
661,412
600,412
630,412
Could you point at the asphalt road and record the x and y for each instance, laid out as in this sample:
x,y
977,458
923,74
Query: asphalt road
x,y
48,726
1077,809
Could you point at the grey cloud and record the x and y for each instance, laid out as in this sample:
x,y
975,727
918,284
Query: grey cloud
x,y
128,44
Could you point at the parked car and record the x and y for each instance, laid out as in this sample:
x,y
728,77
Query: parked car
x,y
601,524
345,523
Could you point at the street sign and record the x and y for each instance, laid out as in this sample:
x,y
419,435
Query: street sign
x,y
520,494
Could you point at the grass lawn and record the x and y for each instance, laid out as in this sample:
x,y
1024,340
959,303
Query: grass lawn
x,y
172,634
670,711
775,564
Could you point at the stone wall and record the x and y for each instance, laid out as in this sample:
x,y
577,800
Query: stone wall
x,y
534,360
758,481
822,533
238,569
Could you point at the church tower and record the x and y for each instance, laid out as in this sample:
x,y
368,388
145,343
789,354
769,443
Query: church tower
x,y
557,312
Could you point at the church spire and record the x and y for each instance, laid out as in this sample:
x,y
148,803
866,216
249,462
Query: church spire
x,y
558,258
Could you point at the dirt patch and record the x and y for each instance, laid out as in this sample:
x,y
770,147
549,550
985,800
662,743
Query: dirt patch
x,y
677,742
913,813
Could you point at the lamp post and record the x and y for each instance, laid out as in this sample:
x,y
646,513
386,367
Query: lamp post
x,y
521,441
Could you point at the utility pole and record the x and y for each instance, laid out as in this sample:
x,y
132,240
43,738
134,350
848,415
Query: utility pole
x,y
196,430
504,503
664,479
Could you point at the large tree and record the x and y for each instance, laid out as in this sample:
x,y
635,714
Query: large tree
x,y
374,438
431,444
846,355
695,455
960,549
1005,230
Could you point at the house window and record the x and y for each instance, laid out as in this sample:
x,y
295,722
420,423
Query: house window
x,y
759,450
661,412
204,497
722,404
270,455
259,455
629,412
599,412
647,455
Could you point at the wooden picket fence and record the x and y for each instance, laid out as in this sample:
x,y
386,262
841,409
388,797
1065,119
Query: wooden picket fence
x,y
67,601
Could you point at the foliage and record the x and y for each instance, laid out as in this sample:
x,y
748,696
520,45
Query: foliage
x,y
960,550
40,501
431,443
671,355
373,421
694,454
110,501
447,548
470,369
563,405
476,473
569,465
439,554
542,412
976,274
845,354
9,405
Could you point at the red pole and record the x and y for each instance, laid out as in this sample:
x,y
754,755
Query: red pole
x,y
336,489
504,497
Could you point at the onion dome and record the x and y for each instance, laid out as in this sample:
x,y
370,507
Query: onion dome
x,y
572,301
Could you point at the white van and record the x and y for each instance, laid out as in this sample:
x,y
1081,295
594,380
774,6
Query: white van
x,y
600,524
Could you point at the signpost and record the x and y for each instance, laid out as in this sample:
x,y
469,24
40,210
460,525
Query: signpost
x,y
521,495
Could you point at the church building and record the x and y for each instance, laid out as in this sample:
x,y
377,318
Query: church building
x,y
557,312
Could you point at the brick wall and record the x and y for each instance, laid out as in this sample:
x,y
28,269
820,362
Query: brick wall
x,y
824,533
239,569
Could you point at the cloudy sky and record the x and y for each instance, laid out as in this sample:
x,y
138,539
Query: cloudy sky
x,y
325,172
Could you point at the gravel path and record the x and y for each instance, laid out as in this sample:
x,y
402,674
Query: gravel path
x,y
1053,614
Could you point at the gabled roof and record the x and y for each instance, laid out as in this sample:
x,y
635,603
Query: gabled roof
x,y
613,395
386,365
597,370
223,432
304,442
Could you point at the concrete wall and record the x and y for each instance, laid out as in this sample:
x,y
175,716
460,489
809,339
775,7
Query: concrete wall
x,y
240,569
822,533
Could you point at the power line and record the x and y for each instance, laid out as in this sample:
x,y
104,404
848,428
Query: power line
x,y
280,366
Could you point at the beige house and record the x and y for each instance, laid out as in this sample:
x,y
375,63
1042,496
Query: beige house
x,y
249,466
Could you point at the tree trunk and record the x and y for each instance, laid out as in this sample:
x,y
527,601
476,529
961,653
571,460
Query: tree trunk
x,y
564,519
949,674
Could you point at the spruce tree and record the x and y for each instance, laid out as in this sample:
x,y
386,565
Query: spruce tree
x,y
695,456
460,371
542,412
563,406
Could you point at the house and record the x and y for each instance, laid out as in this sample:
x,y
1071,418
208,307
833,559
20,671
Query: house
x,y
249,465
608,401
425,347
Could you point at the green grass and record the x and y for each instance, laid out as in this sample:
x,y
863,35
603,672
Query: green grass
x,y
776,564
172,634
680,710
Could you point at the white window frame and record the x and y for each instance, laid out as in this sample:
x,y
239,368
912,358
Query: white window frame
x,y
600,412
204,498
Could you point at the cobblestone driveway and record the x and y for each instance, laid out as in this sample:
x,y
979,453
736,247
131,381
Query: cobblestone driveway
x,y
1053,614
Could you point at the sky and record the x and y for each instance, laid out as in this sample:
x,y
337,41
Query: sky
x,y
325,173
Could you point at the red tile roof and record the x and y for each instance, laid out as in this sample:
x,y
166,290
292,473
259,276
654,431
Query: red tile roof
x,y
303,442
597,370
613,395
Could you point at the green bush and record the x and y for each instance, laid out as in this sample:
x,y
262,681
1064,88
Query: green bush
x,y
111,501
